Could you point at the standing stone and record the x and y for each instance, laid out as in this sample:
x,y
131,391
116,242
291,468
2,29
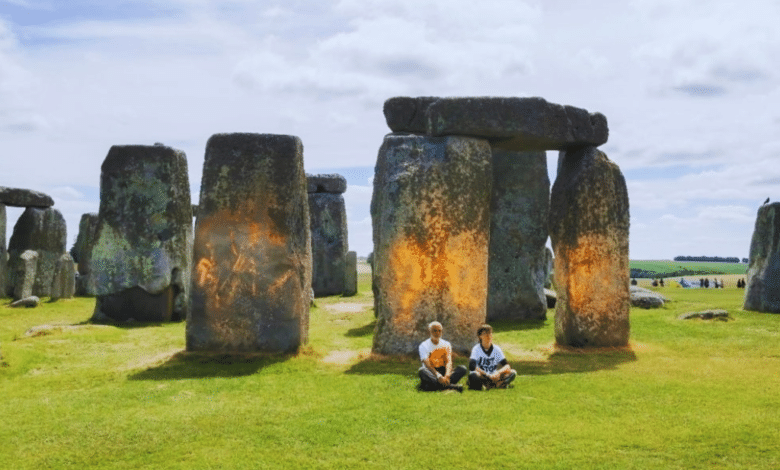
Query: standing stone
x,y
142,246
763,273
26,269
82,250
549,269
251,282
3,252
350,274
328,217
431,221
518,233
44,231
589,230
63,284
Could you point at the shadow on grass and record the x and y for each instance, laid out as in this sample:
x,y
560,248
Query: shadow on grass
x,y
128,324
362,331
382,365
501,326
559,362
576,361
184,365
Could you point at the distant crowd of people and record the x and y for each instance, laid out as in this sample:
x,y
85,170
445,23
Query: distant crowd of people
x,y
703,283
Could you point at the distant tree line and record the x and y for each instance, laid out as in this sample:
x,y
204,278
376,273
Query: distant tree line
x,y
717,259
645,274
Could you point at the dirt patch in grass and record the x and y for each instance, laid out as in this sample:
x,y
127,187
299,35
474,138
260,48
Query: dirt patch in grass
x,y
345,357
44,330
346,307
520,354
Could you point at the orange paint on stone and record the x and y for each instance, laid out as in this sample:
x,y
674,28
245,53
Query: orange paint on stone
x,y
446,268
225,278
594,276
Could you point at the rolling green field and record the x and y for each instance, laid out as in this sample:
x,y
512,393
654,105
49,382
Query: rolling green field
x,y
692,394
669,268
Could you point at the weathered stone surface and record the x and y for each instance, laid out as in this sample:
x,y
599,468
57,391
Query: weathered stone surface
x,y
252,279
518,232
717,314
24,198
144,234
28,302
63,284
646,300
135,305
407,114
26,267
549,268
763,274
44,231
517,123
328,217
431,221
589,223
82,250
3,252
326,183
636,289
350,274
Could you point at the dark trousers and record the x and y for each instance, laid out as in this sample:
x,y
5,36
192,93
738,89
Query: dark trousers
x,y
428,382
476,381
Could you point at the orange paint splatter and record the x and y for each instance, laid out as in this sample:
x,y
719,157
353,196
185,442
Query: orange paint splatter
x,y
230,263
594,302
446,270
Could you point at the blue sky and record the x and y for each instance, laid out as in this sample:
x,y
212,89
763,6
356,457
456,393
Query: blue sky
x,y
690,89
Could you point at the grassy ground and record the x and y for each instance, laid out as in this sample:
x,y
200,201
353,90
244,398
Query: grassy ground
x,y
687,395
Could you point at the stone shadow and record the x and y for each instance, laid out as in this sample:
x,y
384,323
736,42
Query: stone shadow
x,y
573,361
361,331
197,365
566,361
128,325
384,365
500,326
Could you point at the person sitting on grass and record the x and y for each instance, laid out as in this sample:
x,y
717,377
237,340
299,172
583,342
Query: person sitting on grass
x,y
436,372
488,366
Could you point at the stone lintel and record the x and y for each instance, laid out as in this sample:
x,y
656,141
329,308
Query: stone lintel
x,y
510,123
17,197
326,183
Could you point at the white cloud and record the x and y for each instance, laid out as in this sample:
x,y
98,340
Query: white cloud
x,y
706,49
66,193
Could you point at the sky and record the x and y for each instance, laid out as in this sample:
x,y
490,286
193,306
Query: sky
x,y
690,89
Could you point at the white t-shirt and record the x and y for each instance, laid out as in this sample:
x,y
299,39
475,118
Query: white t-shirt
x,y
487,361
436,353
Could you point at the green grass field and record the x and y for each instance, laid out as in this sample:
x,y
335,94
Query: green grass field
x,y
686,395
669,268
